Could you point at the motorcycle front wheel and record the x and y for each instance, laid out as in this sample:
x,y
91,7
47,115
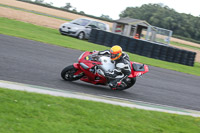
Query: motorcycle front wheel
x,y
68,73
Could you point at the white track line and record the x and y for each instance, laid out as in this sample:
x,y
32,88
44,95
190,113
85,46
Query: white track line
x,y
104,99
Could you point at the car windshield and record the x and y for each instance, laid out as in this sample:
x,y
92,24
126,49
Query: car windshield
x,y
101,26
82,22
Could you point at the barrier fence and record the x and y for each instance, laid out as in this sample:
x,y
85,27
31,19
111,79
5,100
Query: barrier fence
x,y
143,48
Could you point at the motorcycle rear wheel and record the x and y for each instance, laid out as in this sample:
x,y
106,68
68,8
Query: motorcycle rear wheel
x,y
68,73
129,83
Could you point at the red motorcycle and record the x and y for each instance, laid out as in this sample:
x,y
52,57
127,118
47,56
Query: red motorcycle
x,y
91,68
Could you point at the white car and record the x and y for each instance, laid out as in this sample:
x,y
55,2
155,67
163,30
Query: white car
x,y
82,27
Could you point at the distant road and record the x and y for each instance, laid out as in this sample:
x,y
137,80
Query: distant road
x,y
36,63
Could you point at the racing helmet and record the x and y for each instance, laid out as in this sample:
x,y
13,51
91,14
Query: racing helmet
x,y
116,52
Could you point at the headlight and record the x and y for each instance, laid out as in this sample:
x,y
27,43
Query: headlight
x,y
84,65
63,25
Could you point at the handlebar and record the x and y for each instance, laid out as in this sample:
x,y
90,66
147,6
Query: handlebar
x,y
94,57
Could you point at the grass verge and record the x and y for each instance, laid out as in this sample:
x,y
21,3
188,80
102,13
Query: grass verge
x,y
184,45
52,36
22,112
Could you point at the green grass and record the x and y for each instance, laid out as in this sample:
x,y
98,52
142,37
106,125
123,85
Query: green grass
x,y
184,45
23,112
52,36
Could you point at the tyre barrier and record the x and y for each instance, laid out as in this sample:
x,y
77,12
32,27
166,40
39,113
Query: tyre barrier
x,y
184,56
143,48
124,42
170,54
147,49
93,36
191,58
108,39
100,37
132,44
156,51
177,55
116,39
139,48
163,53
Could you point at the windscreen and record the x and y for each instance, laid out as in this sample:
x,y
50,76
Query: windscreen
x,y
82,22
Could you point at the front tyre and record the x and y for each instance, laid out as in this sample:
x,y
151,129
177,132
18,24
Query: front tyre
x,y
81,36
68,73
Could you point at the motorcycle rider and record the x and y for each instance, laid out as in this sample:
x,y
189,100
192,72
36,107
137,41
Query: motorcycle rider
x,y
122,65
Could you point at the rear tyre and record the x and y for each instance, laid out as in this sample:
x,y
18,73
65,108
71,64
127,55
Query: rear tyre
x,y
81,36
68,73
129,83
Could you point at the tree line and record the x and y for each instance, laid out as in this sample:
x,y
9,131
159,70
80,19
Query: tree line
x,y
185,25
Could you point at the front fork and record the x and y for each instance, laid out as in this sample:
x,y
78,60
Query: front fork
x,y
79,72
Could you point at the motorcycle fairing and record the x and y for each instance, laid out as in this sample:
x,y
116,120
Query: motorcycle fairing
x,y
138,69
86,66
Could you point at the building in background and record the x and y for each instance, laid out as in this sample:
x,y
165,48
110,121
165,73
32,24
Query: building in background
x,y
140,29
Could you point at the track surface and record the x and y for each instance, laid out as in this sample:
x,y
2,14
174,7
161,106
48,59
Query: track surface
x,y
36,63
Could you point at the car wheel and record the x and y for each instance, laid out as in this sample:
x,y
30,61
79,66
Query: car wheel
x,y
81,35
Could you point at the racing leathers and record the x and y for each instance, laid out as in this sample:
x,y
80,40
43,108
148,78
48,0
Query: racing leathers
x,y
122,69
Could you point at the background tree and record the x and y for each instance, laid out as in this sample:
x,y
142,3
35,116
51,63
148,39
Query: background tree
x,y
74,10
67,6
82,12
39,1
106,17
49,4
162,16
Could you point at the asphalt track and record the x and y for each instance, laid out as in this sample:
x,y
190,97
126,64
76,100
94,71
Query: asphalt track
x,y
36,63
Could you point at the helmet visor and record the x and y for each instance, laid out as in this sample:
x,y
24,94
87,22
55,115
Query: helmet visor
x,y
114,55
